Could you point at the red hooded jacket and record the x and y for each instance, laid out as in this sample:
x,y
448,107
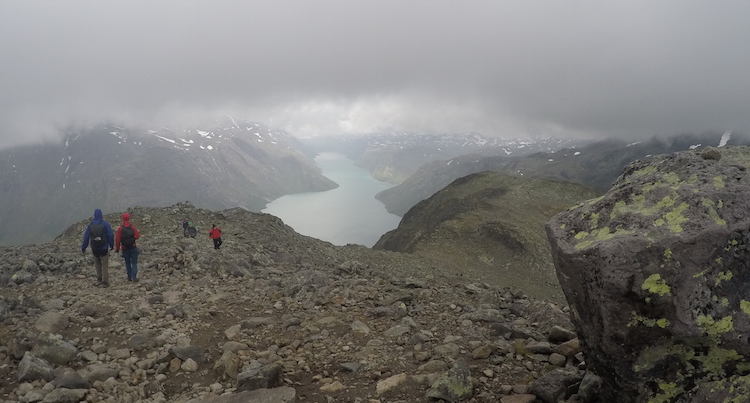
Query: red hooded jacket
x,y
118,234
215,233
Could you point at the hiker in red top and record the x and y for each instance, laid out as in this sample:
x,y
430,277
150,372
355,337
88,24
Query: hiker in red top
x,y
125,238
215,234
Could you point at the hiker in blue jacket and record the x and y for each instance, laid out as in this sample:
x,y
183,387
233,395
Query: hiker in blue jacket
x,y
99,234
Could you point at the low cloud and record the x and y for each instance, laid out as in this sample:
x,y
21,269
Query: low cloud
x,y
627,69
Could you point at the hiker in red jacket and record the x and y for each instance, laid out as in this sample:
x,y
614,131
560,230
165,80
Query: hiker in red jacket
x,y
215,234
125,238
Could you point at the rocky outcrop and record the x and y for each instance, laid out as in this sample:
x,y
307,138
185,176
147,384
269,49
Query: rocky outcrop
x,y
657,273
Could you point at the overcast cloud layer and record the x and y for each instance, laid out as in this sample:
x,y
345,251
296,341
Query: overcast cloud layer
x,y
502,68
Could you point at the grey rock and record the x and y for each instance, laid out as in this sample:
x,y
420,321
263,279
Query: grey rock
x,y
710,153
265,377
54,304
88,310
454,386
71,380
550,386
52,322
539,347
351,366
433,366
559,334
30,266
99,372
283,394
234,346
54,350
397,331
194,352
228,366
63,395
142,341
449,350
32,368
252,323
484,315
589,388
515,332
657,262
22,277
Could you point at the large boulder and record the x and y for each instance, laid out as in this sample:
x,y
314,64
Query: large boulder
x,y
657,274
53,349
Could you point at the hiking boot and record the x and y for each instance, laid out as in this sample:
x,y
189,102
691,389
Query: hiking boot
x,y
135,280
105,285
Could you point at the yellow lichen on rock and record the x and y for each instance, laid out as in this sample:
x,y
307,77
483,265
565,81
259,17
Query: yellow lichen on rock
x,y
655,284
675,218
713,327
723,276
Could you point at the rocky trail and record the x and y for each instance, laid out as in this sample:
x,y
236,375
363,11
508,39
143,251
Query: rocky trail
x,y
273,316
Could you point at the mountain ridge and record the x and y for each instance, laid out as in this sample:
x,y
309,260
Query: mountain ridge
x,y
595,165
394,156
112,167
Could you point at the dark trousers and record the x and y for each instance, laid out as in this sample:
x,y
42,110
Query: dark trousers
x,y
131,262
217,242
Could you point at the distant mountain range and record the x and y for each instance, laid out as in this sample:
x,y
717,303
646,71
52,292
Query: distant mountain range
x,y
595,165
228,164
231,163
395,156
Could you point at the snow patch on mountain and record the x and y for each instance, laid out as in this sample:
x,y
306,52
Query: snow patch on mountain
x,y
725,138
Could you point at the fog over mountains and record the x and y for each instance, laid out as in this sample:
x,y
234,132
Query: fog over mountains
x,y
394,156
237,163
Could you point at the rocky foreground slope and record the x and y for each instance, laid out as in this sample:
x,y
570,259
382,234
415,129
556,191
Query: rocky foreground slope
x,y
273,316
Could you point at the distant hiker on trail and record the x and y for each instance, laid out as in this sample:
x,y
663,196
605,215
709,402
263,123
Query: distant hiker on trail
x,y
215,234
99,233
125,238
191,231
185,227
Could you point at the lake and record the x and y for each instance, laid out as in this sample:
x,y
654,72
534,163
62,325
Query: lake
x,y
348,214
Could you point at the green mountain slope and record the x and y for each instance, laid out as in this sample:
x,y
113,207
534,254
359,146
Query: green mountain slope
x,y
490,225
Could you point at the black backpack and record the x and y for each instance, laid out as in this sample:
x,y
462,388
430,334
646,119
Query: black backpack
x,y
98,236
127,237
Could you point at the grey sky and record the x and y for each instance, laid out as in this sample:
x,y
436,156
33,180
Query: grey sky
x,y
504,68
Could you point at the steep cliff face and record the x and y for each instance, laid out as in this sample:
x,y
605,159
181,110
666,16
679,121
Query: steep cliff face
x,y
656,273
109,167
492,225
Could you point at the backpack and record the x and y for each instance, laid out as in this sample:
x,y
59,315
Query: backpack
x,y
127,237
98,236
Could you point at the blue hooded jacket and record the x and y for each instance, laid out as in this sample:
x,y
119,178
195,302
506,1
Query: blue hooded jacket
x,y
107,230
